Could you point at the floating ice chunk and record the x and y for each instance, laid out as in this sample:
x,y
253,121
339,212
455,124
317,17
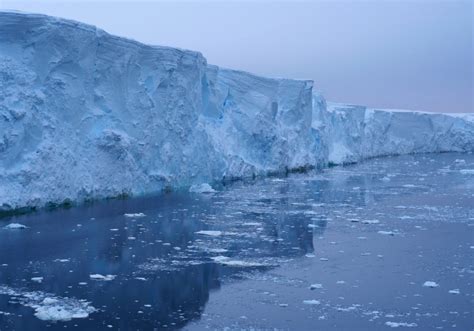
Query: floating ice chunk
x,y
311,302
455,291
467,171
283,305
62,260
278,180
102,277
370,221
15,226
143,279
134,215
37,279
57,312
431,284
315,286
235,263
340,282
400,324
49,301
201,188
49,307
387,233
210,233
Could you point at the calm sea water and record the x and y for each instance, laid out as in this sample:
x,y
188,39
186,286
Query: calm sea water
x,y
382,244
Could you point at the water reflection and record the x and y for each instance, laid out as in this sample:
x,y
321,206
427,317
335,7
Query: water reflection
x,y
165,268
167,263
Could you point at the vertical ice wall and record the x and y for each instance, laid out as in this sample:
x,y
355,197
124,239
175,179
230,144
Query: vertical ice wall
x,y
260,125
86,115
353,133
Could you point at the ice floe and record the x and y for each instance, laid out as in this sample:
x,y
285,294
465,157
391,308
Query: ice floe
x,y
311,302
134,215
400,324
210,233
224,260
15,226
201,188
430,283
49,307
102,277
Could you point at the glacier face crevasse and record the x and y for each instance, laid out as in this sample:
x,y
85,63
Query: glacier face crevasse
x,y
85,115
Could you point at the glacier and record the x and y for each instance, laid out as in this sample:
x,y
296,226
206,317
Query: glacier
x,y
86,115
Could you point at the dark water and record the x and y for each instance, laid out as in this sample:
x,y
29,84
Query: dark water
x,y
370,235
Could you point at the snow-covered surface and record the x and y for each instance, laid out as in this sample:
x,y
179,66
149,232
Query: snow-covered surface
x,y
87,115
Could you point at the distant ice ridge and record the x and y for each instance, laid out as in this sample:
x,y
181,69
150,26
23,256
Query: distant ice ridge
x,y
87,115
353,133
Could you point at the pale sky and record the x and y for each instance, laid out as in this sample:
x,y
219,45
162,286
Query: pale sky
x,y
406,54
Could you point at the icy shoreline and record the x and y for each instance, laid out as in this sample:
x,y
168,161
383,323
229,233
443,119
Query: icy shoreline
x,y
85,115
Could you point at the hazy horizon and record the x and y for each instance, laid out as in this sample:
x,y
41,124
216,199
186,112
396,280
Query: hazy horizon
x,y
383,54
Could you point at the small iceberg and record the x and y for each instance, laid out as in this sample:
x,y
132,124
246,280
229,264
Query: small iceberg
x,y
210,233
134,215
315,286
400,324
387,233
15,226
224,260
201,188
430,283
102,277
311,302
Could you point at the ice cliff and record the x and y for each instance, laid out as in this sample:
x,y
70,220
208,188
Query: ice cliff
x,y
353,133
86,115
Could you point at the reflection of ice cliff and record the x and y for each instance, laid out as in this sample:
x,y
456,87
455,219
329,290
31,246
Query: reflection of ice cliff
x,y
167,251
85,115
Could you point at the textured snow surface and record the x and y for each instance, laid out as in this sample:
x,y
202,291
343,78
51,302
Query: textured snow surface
x,y
87,115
